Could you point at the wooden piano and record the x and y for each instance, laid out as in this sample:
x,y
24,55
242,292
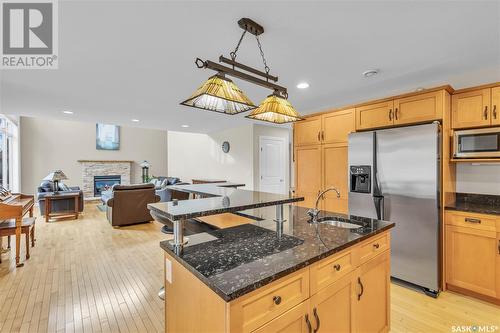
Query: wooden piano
x,y
15,206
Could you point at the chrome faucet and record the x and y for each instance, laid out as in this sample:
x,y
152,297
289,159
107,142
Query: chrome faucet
x,y
313,213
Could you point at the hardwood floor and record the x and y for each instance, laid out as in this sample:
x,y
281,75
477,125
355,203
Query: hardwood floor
x,y
85,276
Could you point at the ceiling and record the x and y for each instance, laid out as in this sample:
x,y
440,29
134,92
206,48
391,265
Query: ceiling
x,y
120,60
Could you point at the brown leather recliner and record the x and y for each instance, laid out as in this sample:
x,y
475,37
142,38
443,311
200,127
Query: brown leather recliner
x,y
129,204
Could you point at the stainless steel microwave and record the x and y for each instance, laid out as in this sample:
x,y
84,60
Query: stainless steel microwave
x,y
477,143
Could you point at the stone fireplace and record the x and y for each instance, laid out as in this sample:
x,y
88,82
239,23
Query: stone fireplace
x,y
107,172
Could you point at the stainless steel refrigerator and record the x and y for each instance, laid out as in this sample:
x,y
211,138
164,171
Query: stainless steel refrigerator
x,y
394,175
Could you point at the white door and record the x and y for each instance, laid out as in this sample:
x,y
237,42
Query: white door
x,y
272,164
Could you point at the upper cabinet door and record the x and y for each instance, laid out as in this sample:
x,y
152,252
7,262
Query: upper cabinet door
x,y
375,115
419,108
337,125
495,106
307,132
471,109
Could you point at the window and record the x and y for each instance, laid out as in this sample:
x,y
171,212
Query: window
x,y
9,155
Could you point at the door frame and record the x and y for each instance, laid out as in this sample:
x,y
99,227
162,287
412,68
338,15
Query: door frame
x,y
286,157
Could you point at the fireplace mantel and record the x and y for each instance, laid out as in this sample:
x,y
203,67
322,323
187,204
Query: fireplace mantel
x,y
104,161
91,168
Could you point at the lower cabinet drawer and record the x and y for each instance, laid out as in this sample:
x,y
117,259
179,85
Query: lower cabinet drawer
x,y
257,308
468,220
374,247
329,270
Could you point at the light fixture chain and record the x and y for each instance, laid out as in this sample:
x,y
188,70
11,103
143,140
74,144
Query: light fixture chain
x,y
233,54
266,67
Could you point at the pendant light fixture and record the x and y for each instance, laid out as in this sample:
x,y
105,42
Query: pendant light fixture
x,y
220,94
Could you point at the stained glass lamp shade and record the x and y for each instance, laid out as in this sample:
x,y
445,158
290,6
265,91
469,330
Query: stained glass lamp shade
x,y
275,109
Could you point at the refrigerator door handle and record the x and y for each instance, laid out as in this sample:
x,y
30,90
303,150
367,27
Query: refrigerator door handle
x,y
379,206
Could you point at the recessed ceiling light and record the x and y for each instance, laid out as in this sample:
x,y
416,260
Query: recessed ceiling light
x,y
68,112
185,126
303,85
370,72
135,120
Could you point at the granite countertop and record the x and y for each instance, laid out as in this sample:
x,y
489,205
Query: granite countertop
x,y
217,198
238,260
476,203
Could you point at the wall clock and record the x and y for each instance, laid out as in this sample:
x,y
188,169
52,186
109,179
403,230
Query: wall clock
x,y
225,147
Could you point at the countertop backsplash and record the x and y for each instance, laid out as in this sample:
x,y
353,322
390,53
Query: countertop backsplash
x,y
478,178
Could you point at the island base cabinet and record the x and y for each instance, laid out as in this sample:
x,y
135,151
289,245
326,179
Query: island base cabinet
x,y
372,304
353,297
295,320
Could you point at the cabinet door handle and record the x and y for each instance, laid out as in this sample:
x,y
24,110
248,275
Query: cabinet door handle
x,y
499,246
323,135
309,327
494,112
376,245
471,220
390,114
315,312
319,136
396,113
277,300
336,267
362,288
486,112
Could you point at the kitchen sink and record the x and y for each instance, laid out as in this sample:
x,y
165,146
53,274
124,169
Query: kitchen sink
x,y
336,222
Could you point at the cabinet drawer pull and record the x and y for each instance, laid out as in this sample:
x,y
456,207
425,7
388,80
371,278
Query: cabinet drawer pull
x,y
494,112
277,300
471,220
486,112
315,312
337,267
390,114
396,113
376,245
309,328
362,288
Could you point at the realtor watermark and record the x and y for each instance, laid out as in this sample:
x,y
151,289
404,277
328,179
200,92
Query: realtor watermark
x,y
474,328
29,34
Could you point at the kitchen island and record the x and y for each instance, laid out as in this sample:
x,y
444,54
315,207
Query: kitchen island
x,y
293,276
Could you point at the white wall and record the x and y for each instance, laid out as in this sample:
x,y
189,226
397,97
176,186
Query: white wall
x,y
478,178
48,144
280,132
194,155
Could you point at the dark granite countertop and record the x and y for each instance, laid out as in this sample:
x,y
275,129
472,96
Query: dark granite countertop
x,y
238,260
217,198
476,203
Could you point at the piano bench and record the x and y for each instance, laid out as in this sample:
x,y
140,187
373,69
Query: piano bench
x,y
8,228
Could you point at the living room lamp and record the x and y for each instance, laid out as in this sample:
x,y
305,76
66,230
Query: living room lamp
x,y
145,170
55,177
220,94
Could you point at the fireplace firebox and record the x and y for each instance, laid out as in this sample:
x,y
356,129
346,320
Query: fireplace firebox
x,y
103,183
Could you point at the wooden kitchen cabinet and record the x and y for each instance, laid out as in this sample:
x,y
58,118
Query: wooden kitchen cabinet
x,y
337,125
292,321
372,304
471,108
307,132
307,173
495,106
471,256
375,115
333,306
334,159
419,108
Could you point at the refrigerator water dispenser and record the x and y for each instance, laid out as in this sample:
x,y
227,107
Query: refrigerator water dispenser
x,y
361,178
